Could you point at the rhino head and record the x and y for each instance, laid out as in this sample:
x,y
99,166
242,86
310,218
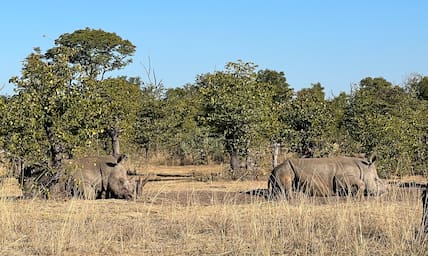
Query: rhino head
x,y
119,185
374,185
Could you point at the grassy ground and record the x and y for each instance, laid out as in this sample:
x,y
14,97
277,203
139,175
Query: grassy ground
x,y
188,217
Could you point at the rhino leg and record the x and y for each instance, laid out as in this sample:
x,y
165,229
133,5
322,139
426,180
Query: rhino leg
x,y
361,187
88,191
348,185
355,187
287,182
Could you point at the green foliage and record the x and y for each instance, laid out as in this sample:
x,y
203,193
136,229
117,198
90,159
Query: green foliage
x,y
236,106
38,113
385,119
150,126
340,141
63,105
3,111
312,122
119,103
418,85
279,128
189,140
96,51
168,120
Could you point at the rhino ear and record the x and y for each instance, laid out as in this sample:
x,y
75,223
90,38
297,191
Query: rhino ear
x,y
121,158
372,158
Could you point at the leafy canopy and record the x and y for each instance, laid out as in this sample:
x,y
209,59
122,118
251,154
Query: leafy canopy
x,y
96,51
235,104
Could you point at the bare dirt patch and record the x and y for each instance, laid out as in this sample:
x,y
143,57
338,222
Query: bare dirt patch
x,y
187,169
190,192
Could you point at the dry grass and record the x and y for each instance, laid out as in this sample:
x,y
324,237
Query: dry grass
x,y
9,187
3,170
213,218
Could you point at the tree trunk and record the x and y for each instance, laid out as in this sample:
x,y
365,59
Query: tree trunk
x,y
115,145
56,148
248,158
275,152
57,151
234,160
146,149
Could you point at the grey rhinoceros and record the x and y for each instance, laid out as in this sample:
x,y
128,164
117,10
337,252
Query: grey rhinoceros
x,y
98,177
326,176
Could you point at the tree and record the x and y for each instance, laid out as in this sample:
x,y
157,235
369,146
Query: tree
x,y
385,119
279,128
189,139
236,107
96,51
150,126
369,107
418,85
59,102
3,107
120,102
311,122
46,90
341,142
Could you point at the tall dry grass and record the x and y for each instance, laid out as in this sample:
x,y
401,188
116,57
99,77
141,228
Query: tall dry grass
x,y
221,226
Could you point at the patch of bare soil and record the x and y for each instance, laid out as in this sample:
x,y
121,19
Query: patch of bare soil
x,y
185,170
200,198
191,192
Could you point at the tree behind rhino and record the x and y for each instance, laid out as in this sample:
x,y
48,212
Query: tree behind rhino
x,y
243,107
391,121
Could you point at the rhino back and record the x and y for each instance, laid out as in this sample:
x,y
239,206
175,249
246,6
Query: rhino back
x,y
318,176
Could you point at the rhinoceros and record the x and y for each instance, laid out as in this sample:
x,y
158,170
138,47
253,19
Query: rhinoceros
x,y
98,177
326,176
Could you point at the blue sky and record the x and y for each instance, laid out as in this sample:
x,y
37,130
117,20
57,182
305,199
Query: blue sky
x,y
336,43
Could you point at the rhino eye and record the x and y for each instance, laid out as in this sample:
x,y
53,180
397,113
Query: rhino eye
x,y
121,181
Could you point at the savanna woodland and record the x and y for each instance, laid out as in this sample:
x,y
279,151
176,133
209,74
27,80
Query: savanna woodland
x,y
66,105
244,119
